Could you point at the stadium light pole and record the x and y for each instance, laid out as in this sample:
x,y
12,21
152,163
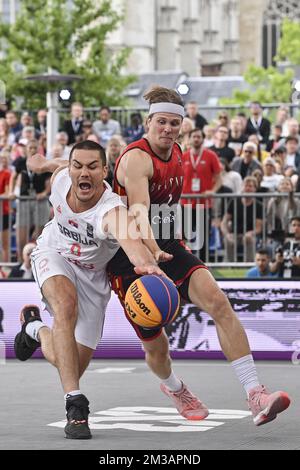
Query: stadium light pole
x,y
52,76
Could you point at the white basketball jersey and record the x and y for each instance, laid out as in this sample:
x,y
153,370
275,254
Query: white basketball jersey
x,y
78,237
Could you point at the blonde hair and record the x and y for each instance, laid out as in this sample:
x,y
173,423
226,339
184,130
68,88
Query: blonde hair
x,y
159,94
250,179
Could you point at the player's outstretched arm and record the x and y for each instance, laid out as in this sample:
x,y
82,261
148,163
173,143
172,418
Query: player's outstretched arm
x,y
122,226
138,172
39,164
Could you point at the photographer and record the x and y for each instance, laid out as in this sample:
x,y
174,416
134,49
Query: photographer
x,y
287,257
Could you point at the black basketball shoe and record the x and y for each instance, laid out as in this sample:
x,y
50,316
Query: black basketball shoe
x,y
24,344
77,408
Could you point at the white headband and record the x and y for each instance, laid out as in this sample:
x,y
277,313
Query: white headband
x,y
167,108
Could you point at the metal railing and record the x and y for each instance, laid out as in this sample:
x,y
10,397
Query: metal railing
x,y
14,207
236,245
122,113
233,247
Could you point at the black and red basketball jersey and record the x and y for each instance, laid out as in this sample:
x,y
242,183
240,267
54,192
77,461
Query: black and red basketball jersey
x,y
166,184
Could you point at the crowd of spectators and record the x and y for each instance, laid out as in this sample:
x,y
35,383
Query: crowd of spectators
x,y
232,155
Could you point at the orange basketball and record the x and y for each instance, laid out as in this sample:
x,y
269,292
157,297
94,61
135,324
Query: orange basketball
x,y
152,301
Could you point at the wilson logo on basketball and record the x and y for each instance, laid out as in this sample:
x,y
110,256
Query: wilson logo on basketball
x,y
129,310
136,295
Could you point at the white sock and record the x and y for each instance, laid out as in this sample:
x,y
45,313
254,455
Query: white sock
x,y
72,394
246,371
33,328
173,383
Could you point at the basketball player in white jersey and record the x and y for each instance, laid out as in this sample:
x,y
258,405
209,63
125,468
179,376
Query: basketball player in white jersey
x,y
69,264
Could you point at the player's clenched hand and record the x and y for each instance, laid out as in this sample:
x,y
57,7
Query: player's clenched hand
x,y
162,256
148,269
35,163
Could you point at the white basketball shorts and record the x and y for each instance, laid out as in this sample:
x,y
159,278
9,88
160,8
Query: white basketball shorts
x,y
93,292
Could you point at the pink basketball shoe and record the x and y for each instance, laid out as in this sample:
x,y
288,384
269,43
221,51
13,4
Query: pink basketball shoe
x,y
265,405
187,404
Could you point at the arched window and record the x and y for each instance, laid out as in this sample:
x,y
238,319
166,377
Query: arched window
x,y
273,15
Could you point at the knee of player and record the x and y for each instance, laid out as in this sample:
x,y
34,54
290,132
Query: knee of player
x,y
219,306
159,356
65,313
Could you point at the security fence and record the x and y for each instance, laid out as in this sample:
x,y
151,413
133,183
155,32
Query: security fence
x,y
236,225
222,229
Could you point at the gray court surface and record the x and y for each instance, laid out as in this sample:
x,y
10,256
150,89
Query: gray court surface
x,y
128,410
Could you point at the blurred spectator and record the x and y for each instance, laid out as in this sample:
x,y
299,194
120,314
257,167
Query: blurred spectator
x,y
246,163
279,155
57,151
87,131
3,133
257,124
271,179
220,144
293,131
280,209
236,137
41,126
218,210
23,270
28,131
192,112
292,154
105,127
275,138
4,209
243,222
231,179
26,134
223,119
262,268
282,117
184,136
26,119
293,128
243,118
136,129
42,147
73,126
13,126
93,137
112,153
260,153
202,175
258,174
17,150
31,214
287,258
63,139
209,132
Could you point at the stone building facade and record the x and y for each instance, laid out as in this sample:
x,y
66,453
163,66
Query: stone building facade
x,y
199,37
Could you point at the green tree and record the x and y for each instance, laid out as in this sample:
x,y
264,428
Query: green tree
x,y
49,34
289,45
269,85
266,85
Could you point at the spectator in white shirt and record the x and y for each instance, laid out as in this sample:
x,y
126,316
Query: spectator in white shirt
x,y
292,156
105,127
270,179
